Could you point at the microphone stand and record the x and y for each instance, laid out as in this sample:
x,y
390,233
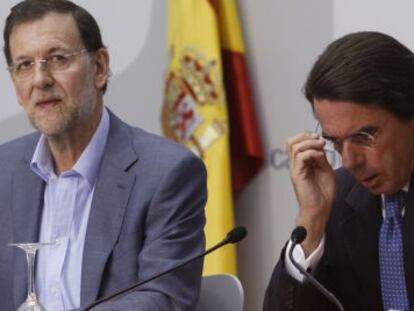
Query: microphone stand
x,y
232,237
297,237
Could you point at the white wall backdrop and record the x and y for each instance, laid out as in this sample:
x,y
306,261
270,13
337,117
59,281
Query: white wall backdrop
x,y
283,39
394,18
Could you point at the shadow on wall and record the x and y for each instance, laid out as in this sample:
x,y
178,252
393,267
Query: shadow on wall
x,y
14,127
135,94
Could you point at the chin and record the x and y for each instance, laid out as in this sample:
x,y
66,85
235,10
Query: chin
x,y
50,129
390,189
375,191
50,126
379,188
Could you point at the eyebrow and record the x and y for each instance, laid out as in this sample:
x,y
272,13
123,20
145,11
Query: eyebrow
x,y
364,129
50,51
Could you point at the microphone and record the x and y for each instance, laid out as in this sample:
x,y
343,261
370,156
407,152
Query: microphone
x,y
235,235
298,236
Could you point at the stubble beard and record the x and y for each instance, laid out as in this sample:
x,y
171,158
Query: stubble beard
x,y
54,124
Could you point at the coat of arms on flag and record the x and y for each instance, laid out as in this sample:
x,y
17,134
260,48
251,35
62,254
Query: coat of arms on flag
x,y
206,83
190,91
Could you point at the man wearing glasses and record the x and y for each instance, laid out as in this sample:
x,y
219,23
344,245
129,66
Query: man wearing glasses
x,y
359,219
119,204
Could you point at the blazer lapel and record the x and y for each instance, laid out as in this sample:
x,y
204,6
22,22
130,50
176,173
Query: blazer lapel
x,y
27,205
361,232
110,199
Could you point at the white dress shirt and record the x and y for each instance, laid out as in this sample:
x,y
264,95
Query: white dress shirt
x,y
312,261
66,207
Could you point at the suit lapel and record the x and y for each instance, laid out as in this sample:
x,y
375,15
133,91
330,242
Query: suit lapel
x,y
109,203
361,233
27,204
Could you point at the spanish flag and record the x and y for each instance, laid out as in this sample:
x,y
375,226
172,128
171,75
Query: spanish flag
x,y
206,82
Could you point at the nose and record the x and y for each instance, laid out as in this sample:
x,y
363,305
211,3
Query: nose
x,y
41,76
352,156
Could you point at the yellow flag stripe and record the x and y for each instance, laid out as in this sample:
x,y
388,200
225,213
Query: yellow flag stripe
x,y
230,31
195,114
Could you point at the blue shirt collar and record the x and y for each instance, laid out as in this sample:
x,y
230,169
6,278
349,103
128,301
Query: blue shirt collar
x,y
88,163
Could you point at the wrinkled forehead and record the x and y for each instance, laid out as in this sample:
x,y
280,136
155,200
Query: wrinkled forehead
x,y
340,118
51,31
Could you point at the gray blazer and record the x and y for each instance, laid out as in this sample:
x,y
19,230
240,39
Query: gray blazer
x,y
147,215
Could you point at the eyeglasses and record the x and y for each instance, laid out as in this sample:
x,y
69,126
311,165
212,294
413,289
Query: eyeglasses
x,y
56,62
364,137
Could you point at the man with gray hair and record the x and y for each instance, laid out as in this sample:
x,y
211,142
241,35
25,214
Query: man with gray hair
x,y
120,204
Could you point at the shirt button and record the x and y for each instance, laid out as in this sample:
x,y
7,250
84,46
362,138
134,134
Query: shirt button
x,y
57,242
54,289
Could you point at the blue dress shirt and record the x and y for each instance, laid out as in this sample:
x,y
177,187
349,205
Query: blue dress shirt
x,y
67,203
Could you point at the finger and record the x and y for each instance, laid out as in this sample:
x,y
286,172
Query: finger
x,y
303,145
304,136
309,159
317,159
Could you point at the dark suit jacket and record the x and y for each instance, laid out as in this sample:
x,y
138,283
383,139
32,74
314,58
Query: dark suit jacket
x,y
349,267
147,215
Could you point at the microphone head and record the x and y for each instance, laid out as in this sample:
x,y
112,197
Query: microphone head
x,y
236,235
298,235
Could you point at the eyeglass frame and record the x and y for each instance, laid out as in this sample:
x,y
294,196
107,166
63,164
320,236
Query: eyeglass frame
x,y
365,136
45,61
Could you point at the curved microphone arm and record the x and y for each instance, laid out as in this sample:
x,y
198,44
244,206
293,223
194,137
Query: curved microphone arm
x,y
234,236
298,236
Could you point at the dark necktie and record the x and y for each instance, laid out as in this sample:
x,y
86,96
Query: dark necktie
x,y
391,259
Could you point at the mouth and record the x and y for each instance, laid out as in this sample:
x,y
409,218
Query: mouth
x,y
370,181
44,103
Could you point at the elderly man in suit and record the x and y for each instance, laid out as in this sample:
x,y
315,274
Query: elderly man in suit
x,y
359,219
120,204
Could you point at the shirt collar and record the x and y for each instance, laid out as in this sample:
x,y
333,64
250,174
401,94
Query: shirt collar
x,y
405,188
87,164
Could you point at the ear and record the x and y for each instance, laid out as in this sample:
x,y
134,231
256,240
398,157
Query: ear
x,y
102,68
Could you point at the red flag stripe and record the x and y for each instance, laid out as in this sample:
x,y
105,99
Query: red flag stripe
x,y
214,4
246,146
